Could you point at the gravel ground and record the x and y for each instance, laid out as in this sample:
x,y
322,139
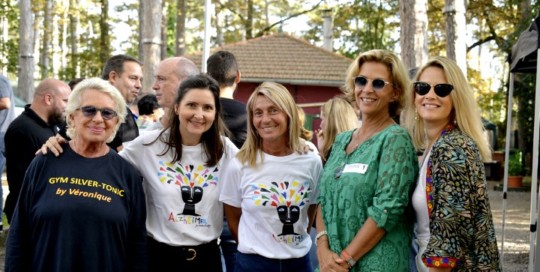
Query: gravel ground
x,y
517,234
516,242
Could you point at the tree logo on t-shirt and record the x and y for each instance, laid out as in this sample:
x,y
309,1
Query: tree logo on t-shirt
x,y
288,197
191,180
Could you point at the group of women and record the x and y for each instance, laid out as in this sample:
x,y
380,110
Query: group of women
x,y
371,202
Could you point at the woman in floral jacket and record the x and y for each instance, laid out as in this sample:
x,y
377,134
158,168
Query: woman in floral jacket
x,y
454,227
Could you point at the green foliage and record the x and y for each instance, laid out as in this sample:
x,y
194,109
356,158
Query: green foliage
x,y
515,164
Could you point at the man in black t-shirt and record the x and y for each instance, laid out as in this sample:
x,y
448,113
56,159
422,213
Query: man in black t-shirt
x,y
125,73
222,66
29,131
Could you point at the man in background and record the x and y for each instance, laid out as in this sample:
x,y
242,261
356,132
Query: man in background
x,y
222,66
30,130
7,114
125,73
170,73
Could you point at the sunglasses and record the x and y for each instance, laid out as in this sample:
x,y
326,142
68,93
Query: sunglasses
x,y
441,90
91,111
377,84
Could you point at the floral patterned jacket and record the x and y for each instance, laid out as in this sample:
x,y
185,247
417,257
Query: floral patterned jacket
x,y
462,235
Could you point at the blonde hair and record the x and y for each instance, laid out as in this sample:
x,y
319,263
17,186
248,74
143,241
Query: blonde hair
x,y
339,116
100,85
305,133
399,76
465,113
283,100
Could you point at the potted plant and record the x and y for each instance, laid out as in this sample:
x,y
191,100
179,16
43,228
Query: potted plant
x,y
515,178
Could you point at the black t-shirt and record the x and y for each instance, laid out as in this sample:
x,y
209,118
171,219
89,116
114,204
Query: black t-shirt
x,y
235,117
71,217
25,135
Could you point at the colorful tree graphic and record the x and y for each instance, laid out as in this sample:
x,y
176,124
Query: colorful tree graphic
x,y
287,197
191,180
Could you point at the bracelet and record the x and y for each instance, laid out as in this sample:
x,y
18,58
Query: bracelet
x,y
320,234
348,258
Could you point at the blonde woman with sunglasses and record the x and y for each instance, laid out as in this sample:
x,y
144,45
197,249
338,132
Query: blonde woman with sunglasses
x,y
368,177
454,227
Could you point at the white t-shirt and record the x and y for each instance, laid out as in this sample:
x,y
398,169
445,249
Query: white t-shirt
x,y
419,201
182,199
274,198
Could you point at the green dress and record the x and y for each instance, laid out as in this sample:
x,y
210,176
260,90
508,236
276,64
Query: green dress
x,y
376,181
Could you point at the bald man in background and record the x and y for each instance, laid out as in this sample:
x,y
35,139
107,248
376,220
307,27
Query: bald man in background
x,y
39,121
170,73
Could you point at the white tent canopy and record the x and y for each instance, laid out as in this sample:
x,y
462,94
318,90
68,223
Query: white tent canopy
x,y
524,59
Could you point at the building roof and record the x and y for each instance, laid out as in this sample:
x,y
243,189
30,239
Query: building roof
x,y
285,59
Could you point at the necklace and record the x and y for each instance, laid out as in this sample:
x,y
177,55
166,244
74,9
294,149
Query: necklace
x,y
358,137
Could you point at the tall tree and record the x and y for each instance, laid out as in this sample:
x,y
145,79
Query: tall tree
x,y
456,30
413,34
104,37
180,41
46,41
26,57
151,40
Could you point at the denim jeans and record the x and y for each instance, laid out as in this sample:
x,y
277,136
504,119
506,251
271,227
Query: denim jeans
x,y
258,263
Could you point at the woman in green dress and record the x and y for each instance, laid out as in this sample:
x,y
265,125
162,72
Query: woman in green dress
x,y
367,180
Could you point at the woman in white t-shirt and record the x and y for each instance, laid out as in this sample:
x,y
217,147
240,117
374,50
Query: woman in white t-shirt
x,y
270,189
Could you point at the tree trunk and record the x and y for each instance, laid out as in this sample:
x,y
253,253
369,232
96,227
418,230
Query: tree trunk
x,y
164,19
217,23
26,58
456,29
73,38
151,40
140,47
180,41
44,54
249,20
104,38
413,35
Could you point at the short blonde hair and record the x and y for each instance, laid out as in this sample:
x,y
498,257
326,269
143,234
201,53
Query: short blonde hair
x,y
280,96
466,112
98,84
398,73
339,116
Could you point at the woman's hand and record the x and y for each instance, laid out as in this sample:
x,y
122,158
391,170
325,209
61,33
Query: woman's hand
x,y
328,260
52,144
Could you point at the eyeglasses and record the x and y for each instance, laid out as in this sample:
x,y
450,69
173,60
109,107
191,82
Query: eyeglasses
x,y
91,111
377,84
441,90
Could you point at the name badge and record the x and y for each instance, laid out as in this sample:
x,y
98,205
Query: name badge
x,y
359,168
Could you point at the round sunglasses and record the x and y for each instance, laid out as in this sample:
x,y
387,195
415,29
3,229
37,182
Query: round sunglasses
x,y
377,84
91,111
441,90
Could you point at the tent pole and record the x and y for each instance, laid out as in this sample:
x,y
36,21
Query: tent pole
x,y
534,178
506,159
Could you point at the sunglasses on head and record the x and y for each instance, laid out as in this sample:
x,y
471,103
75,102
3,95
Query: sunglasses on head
x,y
377,84
441,90
91,111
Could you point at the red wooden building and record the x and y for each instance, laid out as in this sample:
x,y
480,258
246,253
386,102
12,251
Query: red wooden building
x,y
312,75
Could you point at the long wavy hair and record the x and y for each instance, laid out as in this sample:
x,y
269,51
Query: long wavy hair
x,y
210,139
339,116
465,113
280,96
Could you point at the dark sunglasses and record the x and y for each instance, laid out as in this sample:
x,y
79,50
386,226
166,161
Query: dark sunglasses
x,y
91,111
441,90
377,84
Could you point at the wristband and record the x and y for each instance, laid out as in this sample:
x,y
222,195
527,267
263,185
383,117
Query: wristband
x,y
348,258
320,234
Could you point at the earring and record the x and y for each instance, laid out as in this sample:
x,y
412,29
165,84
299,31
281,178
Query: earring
x,y
415,115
